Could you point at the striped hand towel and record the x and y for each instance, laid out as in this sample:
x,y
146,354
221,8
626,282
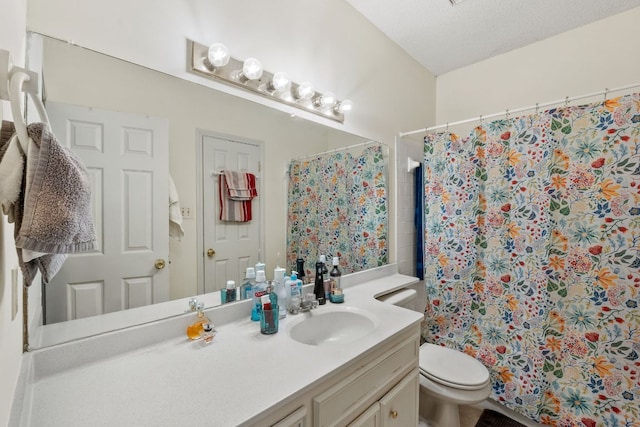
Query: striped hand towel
x,y
235,205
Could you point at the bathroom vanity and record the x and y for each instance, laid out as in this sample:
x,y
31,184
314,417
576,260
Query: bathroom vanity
x,y
360,369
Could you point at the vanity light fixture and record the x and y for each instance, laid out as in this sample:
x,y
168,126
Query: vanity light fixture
x,y
216,63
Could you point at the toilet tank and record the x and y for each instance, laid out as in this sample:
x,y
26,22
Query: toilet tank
x,y
405,297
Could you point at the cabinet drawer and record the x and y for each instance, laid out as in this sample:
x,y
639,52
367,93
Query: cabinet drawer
x,y
341,403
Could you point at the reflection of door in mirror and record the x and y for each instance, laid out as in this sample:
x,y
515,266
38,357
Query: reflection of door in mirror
x,y
229,246
127,159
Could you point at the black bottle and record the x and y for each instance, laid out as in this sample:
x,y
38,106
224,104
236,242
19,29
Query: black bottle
x,y
318,287
300,269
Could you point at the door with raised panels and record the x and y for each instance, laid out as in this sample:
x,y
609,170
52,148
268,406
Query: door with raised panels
x,y
228,247
127,157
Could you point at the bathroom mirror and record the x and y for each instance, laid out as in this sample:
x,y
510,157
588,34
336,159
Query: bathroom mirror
x,y
76,76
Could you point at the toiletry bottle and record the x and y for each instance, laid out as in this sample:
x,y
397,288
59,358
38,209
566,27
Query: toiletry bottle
x,y
318,287
249,282
260,266
336,295
300,269
278,278
195,329
326,280
208,332
259,290
231,291
293,293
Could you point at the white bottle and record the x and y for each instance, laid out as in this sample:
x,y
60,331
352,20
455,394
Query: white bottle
x,y
294,289
278,278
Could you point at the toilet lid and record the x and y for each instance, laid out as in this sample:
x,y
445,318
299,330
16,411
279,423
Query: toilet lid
x,y
452,368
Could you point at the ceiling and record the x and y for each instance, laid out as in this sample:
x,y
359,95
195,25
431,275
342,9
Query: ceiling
x,y
443,37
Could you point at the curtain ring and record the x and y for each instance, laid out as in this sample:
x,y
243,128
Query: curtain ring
x,y
537,108
606,90
506,116
447,128
481,120
566,101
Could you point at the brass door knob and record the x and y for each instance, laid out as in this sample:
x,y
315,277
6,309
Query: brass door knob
x,y
394,414
210,252
159,264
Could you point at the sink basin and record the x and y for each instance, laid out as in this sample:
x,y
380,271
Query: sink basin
x,y
337,326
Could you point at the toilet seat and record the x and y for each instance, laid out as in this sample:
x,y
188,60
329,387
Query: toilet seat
x,y
452,368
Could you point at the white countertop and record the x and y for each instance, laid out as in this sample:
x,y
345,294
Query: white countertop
x,y
175,382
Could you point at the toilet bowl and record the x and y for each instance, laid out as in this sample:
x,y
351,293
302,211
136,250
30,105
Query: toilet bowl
x,y
448,378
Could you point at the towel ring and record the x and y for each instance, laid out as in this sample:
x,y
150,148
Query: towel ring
x,y
15,90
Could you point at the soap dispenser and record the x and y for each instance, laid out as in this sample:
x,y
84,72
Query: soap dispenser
x,y
195,330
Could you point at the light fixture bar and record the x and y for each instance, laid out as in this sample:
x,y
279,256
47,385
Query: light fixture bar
x,y
231,74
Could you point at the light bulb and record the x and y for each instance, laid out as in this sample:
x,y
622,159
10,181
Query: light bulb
x,y
327,100
252,69
218,55
280,81
344,106
306,90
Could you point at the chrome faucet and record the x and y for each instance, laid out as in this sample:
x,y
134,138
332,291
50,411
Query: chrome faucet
x,y
308,303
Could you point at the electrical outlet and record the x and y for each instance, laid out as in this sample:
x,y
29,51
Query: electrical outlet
x,y
186,212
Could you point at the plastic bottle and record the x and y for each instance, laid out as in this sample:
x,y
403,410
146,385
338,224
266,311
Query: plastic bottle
x,y
326,280
249,282
260,266
231,291
259,290
336,294
300,269
293,286
318,287
278,278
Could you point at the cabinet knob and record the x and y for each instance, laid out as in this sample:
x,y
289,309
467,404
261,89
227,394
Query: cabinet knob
x,y
394,414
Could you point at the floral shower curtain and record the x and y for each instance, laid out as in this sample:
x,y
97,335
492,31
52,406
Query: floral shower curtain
x,y
532,259
337,206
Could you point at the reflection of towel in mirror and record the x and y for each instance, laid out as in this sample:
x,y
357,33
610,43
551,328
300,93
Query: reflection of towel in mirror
x,y
175,213
52,212
236,189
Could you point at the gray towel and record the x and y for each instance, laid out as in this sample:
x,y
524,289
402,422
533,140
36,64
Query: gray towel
x,y
53,212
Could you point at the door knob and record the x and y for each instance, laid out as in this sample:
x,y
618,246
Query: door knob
x,y
210,252
159,264
394,414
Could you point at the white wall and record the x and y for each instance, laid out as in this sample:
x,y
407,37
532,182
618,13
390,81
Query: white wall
x,y
327,43
12,38
588,59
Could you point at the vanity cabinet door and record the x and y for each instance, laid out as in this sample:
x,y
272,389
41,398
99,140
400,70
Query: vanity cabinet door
x,y
399,407
294,419
370,417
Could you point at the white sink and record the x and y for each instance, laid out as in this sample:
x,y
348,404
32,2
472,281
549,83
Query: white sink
x,y
331,325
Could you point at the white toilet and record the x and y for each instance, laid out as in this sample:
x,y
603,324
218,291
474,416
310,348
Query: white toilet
x,y
448,378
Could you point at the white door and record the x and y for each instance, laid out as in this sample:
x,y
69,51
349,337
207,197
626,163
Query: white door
x,y
127,157
228,247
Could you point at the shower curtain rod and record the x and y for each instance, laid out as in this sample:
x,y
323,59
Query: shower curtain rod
x,y
349,147
518,110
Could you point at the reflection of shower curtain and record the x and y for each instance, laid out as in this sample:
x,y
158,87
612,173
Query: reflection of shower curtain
x,y
337,206
532,258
